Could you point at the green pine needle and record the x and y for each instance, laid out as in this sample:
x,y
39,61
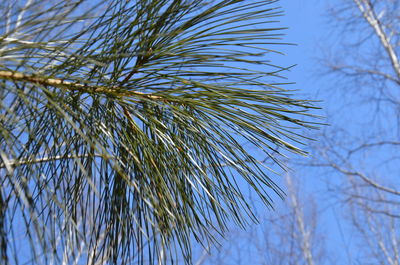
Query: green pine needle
x,y
122,125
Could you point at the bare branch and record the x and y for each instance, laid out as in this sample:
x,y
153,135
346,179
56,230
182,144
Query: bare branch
x,y
366,179
367,9
305,234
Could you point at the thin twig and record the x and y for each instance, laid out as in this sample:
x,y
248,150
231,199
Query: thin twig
x,y
26,161
73,86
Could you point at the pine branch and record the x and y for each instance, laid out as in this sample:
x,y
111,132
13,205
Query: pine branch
x,y
177,163
29,161
73,86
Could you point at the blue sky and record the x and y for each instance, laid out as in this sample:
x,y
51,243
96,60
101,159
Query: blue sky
x,y
307,27
310,29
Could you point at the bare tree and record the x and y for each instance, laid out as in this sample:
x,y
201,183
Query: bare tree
x,y
363,143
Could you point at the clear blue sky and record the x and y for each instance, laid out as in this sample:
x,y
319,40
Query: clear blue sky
x,y
310,29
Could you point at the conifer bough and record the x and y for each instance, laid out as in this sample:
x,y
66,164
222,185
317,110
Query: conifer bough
x,y
123,123
71,86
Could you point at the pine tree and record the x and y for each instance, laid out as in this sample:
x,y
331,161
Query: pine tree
x,y
122,125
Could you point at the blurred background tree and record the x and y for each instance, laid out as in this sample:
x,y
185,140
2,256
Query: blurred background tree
x,y
363,149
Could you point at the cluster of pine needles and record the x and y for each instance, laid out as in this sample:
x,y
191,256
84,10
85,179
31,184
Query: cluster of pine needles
x,y
123,123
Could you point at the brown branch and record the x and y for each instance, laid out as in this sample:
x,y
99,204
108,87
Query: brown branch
x,y
73,86
366,179
27,161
